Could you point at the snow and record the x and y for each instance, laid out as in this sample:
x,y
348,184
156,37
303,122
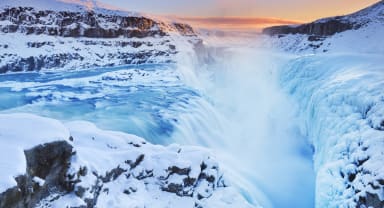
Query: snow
x,y
338,85
340,96
80,53
365,39
144,100
19,132
101,151
252,123
103,52
335,101
69,5
373,13
56,201
39,181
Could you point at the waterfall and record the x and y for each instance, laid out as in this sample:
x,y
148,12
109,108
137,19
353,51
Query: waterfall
x,y
250,123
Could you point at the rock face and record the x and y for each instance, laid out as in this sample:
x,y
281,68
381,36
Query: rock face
x,y
65,59
96,168
76,24
48,179
348,160
178,180
326,28
332,25
337,34
46,171
53,39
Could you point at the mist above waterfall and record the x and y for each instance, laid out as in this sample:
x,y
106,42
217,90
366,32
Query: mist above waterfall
x,y
251,124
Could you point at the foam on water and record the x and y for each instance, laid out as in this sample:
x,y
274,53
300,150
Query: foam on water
x,y
233,105
141,100
252,124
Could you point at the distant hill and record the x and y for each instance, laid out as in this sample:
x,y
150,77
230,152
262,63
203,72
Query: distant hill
x,y
332,25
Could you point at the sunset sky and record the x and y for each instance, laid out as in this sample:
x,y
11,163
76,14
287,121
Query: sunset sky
x,y
227,12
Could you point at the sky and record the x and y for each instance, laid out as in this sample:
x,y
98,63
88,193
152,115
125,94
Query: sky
x,y
209,11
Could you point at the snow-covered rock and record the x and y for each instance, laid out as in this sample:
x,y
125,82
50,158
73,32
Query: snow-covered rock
x,y
332,25
78,165
341,100
52,34
337,79
359,31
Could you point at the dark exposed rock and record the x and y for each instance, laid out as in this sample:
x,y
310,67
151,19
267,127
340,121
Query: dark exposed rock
x,y
179,171
187,187
370,200
326,28
79,24
351,177
380,127
315,38
36,63
49,162
144,174
332,25
136,163
189,181
39,44
174,188
48,178
113,174
203,166
95,190
184,29
80,191
88,27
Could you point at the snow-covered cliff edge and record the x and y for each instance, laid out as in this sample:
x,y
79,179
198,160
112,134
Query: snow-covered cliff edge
x,y
357,32
71,36
337,79
51,164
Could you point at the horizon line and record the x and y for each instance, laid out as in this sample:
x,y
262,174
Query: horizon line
x,y
238,22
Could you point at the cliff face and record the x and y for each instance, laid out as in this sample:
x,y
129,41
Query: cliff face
x,y
48,162
89,24
340,88
354,32
32,39
48,178
329,27
332,25
96,168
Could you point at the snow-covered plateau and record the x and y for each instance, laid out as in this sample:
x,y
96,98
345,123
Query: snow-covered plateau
x,y
34,38
121,109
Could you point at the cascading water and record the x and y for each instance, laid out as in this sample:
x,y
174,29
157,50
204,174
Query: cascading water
x,y
228,100
251,125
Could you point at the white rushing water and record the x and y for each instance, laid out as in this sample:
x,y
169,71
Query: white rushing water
x,y
229,99
252,125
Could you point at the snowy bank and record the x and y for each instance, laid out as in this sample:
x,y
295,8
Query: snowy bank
x,y
342,104
103,168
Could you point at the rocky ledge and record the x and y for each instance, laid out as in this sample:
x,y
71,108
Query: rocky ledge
x,y
88,24
351,32
332,25
96,168
322,28
32,39
48,163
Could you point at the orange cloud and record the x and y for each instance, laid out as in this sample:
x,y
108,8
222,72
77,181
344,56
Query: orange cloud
x,y
235,22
